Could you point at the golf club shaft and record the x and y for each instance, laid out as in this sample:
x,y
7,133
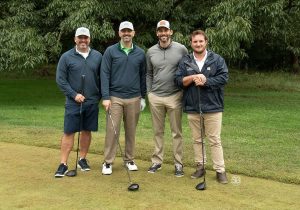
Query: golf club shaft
x,y
118,142
201,130
80,120
202,140
78,139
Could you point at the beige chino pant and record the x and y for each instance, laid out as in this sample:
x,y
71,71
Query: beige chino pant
x,y
160,106
129,110
212,130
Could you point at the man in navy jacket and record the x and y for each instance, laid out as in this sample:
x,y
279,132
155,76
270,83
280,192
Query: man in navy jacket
x,y
202,75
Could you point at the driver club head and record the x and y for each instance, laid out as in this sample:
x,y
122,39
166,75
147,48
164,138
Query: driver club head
x,y
201,186
71,173
133,187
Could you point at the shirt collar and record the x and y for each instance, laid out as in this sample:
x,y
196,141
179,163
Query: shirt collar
x,y
82,52
164,48
122,47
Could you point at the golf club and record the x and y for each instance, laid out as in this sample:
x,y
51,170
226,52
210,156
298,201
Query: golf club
x,y
201,185
73,172
132,186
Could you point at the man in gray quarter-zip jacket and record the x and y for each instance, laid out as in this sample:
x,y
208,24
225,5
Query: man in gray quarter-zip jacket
x,y
164,96
78,77
203,75
123,86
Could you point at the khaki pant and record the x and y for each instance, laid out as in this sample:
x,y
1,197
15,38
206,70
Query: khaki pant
x,y
129,110
160,106
212,130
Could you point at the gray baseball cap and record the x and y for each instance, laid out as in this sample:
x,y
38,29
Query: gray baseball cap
x,y
82,31
126,24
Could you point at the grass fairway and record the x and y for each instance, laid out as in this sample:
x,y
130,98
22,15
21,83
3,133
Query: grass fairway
x,y
260,132
27,182
260,138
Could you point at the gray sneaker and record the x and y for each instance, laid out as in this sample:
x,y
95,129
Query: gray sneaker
x,y
154,168
179,170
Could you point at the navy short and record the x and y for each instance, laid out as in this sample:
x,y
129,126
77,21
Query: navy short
x,y
89,117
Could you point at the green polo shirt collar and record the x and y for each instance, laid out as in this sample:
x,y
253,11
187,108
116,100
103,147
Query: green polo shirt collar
x,y
126,50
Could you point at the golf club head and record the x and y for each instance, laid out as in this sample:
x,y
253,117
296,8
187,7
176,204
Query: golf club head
x,y
201,186
71,173
133,187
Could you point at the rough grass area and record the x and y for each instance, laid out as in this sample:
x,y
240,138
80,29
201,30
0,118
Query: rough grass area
x,y
27,182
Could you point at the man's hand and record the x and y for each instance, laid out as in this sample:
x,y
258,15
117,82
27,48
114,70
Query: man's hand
x,y
143,104
199,80
106,104
79,98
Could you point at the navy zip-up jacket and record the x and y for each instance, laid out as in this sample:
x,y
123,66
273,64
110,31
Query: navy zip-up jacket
x,y
212,93
123,76
71,67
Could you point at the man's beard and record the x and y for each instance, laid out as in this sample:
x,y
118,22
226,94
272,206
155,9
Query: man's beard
x,y
199,51
164,38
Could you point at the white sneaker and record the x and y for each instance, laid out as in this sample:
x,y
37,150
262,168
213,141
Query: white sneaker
x,y
131,166
106,169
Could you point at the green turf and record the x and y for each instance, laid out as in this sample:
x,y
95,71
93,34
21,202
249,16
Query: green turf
x,y
27,182
260,125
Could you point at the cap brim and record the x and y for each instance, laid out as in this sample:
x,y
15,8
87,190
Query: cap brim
x,y
83,35
125,28
163,27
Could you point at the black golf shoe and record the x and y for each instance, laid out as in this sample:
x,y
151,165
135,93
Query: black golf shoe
x,y
178,170
61,171
83,165
222,178
154,168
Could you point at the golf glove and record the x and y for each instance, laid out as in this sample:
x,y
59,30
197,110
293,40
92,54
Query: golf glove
x,y
143,104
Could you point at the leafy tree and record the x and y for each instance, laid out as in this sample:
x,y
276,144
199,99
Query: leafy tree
x,y
292,33
235,27
36,32
23,47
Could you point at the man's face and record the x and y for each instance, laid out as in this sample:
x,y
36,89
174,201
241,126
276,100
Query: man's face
x,y
198,43
82,43
126,35
164,34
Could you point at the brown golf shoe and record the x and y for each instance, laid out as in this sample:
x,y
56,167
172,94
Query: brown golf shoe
x,y
222,178
198,173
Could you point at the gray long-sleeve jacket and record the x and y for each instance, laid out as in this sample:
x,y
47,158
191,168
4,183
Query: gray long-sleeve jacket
x,y
71,67
162,64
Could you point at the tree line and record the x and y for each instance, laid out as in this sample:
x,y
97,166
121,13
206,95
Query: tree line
x,y
260,34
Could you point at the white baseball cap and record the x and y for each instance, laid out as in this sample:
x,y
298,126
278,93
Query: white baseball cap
x,y
163,23
82,31
126,24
